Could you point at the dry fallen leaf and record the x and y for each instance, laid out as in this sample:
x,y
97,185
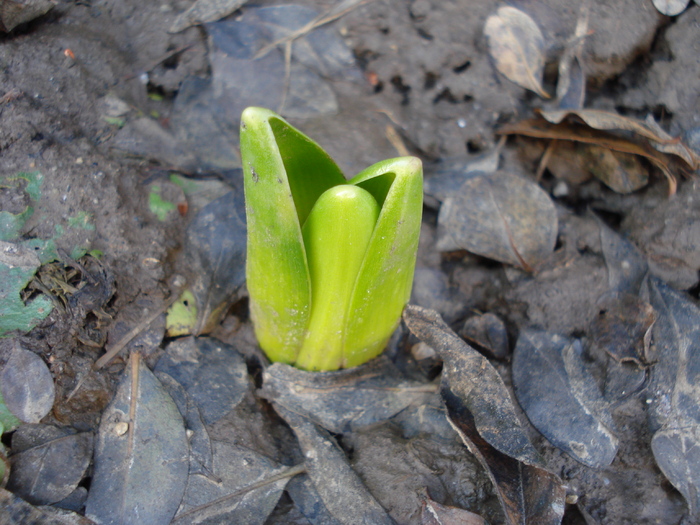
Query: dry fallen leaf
x,y
621,172
517,44
500,216
649,129
480,409
577,133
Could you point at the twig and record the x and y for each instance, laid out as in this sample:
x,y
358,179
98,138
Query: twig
x,y
287,473
329,16
119,346
112,352
393,136
544,161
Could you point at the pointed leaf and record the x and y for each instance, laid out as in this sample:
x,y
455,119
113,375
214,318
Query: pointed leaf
x,y
517,46
561,399
480,410
141,455
384,283
675,390
280,191
339,487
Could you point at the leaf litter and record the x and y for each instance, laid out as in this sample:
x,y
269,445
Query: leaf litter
x,y
141,454
500,216
673,390
517,46
192,413
481,411
561,399
345,400
39,472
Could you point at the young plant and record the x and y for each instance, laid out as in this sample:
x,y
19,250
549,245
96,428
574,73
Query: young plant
x,y
330,262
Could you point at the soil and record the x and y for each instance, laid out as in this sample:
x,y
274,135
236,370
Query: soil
x,y
104,102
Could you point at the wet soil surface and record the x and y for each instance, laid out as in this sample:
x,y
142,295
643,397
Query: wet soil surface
x,y
104,113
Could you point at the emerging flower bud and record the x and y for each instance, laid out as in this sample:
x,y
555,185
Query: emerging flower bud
x,y
330,262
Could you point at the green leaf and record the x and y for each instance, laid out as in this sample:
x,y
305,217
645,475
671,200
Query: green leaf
x,y
336,235
8,421
26,187
330,264
17,267
159,206
181,317
277,160
384,282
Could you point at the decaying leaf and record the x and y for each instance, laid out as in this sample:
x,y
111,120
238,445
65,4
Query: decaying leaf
x,y
213,373
339,487
623,327
415,454
16,510
16,12
649,129
216,248
435,514
561,399
481,411
674,390
671,7
621,172
517,46
577,133
488,332
50,469
500,216
244,488
572,93
201,455
344,400
571,84
26,383
141,454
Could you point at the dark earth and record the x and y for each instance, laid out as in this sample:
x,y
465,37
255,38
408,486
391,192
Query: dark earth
x,y
117,111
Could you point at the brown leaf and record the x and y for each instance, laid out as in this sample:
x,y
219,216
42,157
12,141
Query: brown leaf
x,y
577,133
621,172
516,44
623,327
500,216
649,129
